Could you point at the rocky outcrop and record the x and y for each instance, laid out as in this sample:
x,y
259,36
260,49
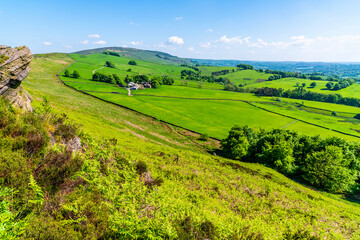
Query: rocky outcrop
x,y
14,67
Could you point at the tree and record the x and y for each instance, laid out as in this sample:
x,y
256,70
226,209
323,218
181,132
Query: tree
x,y
303,85
274,149
313,84
132,62
110,64
76,74
337,86
330,85
67,73
155,83
129,70
116,77
327,169
236,144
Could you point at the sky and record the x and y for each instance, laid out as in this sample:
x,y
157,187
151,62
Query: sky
x,y
264,30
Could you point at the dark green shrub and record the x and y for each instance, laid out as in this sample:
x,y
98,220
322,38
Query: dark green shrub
x,y
76,74
300,234
204,137
207,230
110,64
141,167
67,73
132,62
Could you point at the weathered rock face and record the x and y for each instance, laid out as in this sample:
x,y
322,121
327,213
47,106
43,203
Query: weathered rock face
x,y
14,67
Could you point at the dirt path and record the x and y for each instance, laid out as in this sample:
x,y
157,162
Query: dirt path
x,y
97,69
289,124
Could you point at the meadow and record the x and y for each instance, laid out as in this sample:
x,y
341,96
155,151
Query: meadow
x,y
291,83
208,109
200,196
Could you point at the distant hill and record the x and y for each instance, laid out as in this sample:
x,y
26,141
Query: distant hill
x,y
341,69
147,55
329,68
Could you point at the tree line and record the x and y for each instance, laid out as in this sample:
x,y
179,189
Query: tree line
x,y
112,53
331,164
301,93
111,78
155,81
74,74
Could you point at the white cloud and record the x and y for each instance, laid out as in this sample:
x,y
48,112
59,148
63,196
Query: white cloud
x,y
161,45
47,43
85,42
175,40
100,42
234,40
136,43
178,18
69,46
209,30
191,49
205,45
131,23
94,36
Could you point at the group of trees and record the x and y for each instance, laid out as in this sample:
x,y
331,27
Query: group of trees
x,y
75,74
222,72
332,164
132,62
110,64
189,75
112,79
340,85
244,66
301,93
112,53
192,67
155,81
282,74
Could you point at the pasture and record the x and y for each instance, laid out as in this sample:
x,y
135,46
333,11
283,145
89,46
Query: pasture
x,y
206,108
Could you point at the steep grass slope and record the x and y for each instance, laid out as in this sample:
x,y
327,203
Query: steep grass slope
x,y
194,195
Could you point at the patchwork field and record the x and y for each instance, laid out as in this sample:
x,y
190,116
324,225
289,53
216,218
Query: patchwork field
x,y
208,108
290,83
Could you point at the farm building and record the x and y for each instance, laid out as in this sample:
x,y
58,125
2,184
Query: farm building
x,y
146,84
133,86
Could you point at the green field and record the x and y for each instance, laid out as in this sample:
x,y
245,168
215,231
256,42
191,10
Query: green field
x,y
290,83
209,109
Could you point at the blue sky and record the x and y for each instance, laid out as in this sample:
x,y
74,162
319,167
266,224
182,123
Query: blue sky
x,y
279,30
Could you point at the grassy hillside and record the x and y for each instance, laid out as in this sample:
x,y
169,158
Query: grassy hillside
x,y
153,56
194,195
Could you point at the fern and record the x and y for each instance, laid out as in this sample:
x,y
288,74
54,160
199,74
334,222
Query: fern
x,y
38,192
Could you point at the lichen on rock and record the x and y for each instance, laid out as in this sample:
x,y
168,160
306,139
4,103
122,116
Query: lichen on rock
x,y
14,68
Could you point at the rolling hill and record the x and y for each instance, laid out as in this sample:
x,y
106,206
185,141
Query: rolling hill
x,y
139,178
148,55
